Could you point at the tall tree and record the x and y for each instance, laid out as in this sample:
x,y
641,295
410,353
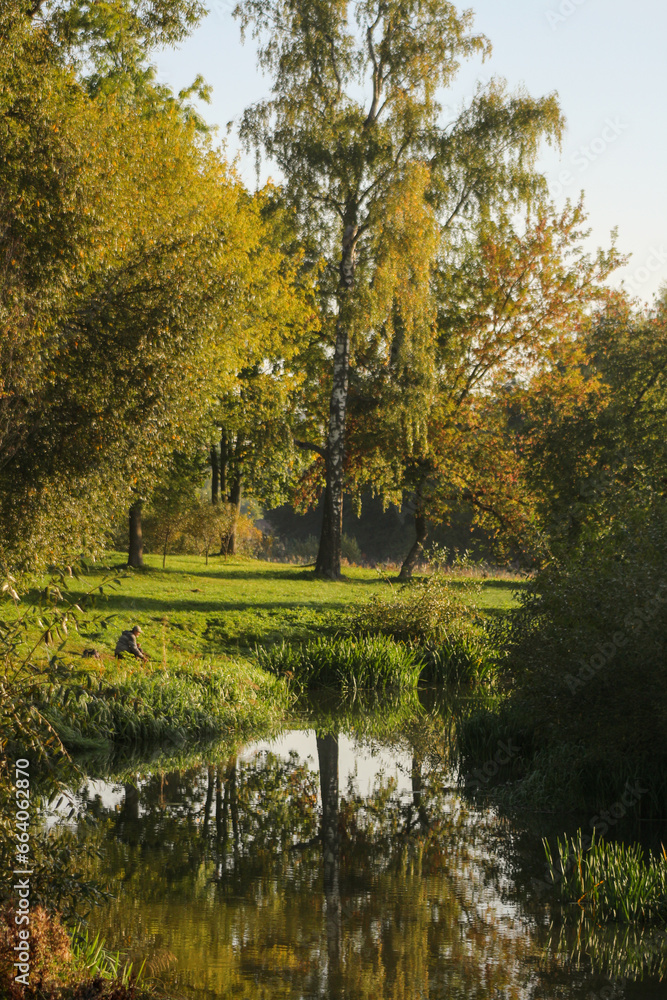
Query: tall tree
x,y
507,295
354,125
130,253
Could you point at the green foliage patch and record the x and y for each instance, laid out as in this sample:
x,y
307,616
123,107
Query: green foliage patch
x,y
370,663
190,700
612,880
439,618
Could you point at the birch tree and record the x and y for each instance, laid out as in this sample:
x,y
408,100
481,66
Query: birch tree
x,y
354,123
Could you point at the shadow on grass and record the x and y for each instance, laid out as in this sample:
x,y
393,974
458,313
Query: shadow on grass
x,y
302,573
129,602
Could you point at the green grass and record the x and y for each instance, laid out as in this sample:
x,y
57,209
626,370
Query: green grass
x,y
115,705
232,606
200,628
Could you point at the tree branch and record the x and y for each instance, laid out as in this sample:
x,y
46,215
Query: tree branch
x,y
308,446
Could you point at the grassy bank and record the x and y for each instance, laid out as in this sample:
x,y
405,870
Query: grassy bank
x,y
230,606
208,631
103,705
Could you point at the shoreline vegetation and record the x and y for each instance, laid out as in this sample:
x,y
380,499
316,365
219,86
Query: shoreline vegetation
x,y
407,324
234,645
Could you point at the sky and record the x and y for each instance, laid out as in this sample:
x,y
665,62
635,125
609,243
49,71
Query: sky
x,y
605,59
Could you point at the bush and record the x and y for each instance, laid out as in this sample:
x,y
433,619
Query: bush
x,y
588,653
442,622
427,611
61,968
371,663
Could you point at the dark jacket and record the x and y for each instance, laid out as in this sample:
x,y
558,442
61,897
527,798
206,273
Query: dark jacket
x,y
128,644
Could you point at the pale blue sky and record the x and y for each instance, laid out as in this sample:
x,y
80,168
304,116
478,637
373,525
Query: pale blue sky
x,y
606,59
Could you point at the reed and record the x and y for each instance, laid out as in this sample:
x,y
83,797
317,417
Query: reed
x,y
195,699
460,658
614,881
95,960
368,663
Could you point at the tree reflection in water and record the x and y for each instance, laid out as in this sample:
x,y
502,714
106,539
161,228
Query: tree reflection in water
x,y
232,877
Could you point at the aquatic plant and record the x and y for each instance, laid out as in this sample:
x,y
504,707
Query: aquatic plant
x,y
345,663
192,699
463,657
91,956
613,881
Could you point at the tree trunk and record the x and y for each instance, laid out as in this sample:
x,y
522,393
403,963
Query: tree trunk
x,y
135,557
327,756
164,550
329,554
129,827
224,459
209,799
235,501
215,474
415,553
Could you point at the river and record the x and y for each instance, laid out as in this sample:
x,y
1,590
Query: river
x,y
334,862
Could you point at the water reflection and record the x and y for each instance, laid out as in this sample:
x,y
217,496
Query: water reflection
x,y
276,874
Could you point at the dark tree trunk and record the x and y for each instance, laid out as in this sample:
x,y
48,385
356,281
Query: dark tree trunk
x,y
215,474
233,475
233,805
417,791
209,799
235,501
224,459
417,550
327,755
164,549
329,554
135,556
220,819
129,828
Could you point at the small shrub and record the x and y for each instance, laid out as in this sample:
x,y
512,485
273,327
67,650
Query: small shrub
x,y
370,663
428,611
61,968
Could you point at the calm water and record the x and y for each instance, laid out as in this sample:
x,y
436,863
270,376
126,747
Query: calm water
x,y
329,865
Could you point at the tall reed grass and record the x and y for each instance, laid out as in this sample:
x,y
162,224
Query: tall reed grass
x,y
191,700
613,881
369,663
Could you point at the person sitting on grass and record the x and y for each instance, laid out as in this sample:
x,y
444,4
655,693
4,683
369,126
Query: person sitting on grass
x,y
128,644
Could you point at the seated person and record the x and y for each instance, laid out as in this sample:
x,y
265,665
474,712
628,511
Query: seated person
x,y
128,644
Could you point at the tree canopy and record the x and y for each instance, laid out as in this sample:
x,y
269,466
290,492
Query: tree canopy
x,y
355,125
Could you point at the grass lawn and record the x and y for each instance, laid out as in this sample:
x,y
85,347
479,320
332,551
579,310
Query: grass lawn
x,y
200,625
231,606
